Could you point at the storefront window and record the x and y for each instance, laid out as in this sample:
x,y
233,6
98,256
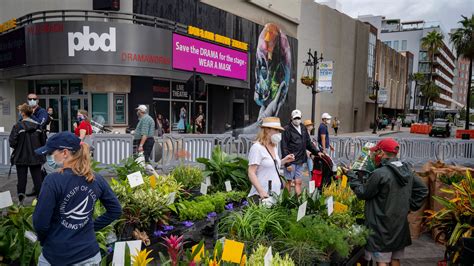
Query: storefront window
x,y
75,87
119,106
162,110
47,87
64,87
180,117
100,108
179,91
161,89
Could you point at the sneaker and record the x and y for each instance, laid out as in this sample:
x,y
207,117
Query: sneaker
x,y
21,198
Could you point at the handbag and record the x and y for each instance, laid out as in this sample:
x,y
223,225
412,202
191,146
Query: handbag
x,y
282,179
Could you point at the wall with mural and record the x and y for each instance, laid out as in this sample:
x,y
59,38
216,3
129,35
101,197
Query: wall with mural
x,y
272,54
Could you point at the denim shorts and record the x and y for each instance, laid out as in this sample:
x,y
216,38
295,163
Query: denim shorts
x,y
386,257
297,172
42,261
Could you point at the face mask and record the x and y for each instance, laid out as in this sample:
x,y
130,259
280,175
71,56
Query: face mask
x,y
80,118
50,112
328,121
276,138
32,103
296,122
52,163
377,159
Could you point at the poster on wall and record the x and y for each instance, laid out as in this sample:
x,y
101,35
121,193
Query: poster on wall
x,y
208,58
325,76
383,96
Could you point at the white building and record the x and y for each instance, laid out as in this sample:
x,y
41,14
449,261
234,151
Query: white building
x,y
406,36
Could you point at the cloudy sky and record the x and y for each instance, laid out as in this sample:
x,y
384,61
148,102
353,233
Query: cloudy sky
x,y
448,12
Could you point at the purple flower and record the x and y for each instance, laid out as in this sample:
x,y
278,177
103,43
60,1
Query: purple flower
x,y
109,250
229,206
188,223
158,233
211,215
168,227
245,203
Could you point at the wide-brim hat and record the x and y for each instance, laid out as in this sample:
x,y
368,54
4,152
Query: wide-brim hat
x,y
308,123
272,122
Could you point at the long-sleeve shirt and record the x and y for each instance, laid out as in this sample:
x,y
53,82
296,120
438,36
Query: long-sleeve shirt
x,y
63,216
296,142
41,116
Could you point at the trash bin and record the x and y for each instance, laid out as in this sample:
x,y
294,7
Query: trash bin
x,y
466,136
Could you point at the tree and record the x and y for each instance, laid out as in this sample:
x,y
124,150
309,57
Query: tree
x,y
463,41
418,78
431,92
432,42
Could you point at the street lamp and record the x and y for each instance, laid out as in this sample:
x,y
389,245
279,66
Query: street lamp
x,y
376,88
309,78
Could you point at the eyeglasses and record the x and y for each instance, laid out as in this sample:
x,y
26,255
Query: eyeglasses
x,y
30,99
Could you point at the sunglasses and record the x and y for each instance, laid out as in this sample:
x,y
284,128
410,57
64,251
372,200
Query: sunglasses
x,y
30,99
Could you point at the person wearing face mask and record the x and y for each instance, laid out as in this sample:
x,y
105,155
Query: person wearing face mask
x,y
63,216
39,114
144,132
264,162
51,126
390,192
25,137
323,133
296,140
82,128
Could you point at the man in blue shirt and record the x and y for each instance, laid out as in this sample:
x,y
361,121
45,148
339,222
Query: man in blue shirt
x,y
323,133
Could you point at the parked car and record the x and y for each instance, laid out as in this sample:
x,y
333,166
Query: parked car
x,y
441,127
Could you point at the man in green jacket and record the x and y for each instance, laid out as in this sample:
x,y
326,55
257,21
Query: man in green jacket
x,y
390,192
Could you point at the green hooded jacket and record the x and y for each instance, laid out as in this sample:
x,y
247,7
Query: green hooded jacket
x,y
390,192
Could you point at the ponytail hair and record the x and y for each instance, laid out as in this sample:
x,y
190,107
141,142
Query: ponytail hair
x,y
80,162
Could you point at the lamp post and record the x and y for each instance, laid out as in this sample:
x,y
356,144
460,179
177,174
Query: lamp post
x,y
312,62
376,88
419,103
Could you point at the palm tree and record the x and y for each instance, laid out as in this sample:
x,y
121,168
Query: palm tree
x,y
418,78
432,42
463,41
431,92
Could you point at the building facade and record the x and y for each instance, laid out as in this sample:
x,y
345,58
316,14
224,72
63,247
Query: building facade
x,y
110,62
406,36
461,82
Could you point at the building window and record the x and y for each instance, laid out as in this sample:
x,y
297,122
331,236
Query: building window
x,y
119,109
395,45
404,45
424,56
100,108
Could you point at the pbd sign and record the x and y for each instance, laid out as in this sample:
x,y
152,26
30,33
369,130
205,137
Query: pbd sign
x,y
91,41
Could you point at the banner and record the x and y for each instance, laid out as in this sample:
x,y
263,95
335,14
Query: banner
x,y
208,58
325,76
383,96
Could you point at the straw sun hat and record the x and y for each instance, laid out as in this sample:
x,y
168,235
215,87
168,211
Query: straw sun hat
x,y
272,122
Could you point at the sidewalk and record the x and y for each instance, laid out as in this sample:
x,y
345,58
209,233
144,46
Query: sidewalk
x,y
368,133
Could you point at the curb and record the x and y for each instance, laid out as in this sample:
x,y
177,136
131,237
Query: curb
x,y
389,133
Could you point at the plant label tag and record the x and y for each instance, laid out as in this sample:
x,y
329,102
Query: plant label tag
x,y
330,204
153,181
228,186
312,186
171,198
232,251
267,260
5,199
135,179
119,251
2,129
31,236
301,211
208,180
203,188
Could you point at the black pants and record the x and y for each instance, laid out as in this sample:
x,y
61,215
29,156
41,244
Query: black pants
x,y
22,173
147,147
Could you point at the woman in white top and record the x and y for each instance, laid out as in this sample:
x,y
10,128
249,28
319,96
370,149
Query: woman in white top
x,y
264,160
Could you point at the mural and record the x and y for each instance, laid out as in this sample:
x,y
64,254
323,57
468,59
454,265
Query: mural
x,y
272,73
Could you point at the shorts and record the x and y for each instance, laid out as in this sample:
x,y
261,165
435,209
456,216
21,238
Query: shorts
x,y
297,172
386,257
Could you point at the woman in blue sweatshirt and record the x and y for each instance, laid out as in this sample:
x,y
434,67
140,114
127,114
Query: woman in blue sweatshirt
x,y
63,215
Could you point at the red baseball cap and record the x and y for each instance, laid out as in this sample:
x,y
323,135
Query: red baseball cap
x,y
388,145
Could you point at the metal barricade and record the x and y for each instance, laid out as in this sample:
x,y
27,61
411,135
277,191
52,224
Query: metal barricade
x,y
5,150
112,148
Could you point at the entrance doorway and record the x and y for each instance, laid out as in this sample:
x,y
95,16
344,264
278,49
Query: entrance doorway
x,y
238,114
70,105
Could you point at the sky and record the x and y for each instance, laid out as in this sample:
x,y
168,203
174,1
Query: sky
x,y
448,12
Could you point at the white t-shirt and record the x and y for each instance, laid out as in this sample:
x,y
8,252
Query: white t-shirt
x,y
266,171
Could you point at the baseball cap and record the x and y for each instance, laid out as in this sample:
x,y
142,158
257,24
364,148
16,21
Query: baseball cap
x,y
325,116
388,145
142,108
60,141
296,114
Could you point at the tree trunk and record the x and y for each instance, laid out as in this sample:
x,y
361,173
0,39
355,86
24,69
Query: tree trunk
x,y
468,100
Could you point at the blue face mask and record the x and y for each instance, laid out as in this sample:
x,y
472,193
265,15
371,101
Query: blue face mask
x,y
52,163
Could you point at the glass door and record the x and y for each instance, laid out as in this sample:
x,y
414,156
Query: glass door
x,y
52,102
71,105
